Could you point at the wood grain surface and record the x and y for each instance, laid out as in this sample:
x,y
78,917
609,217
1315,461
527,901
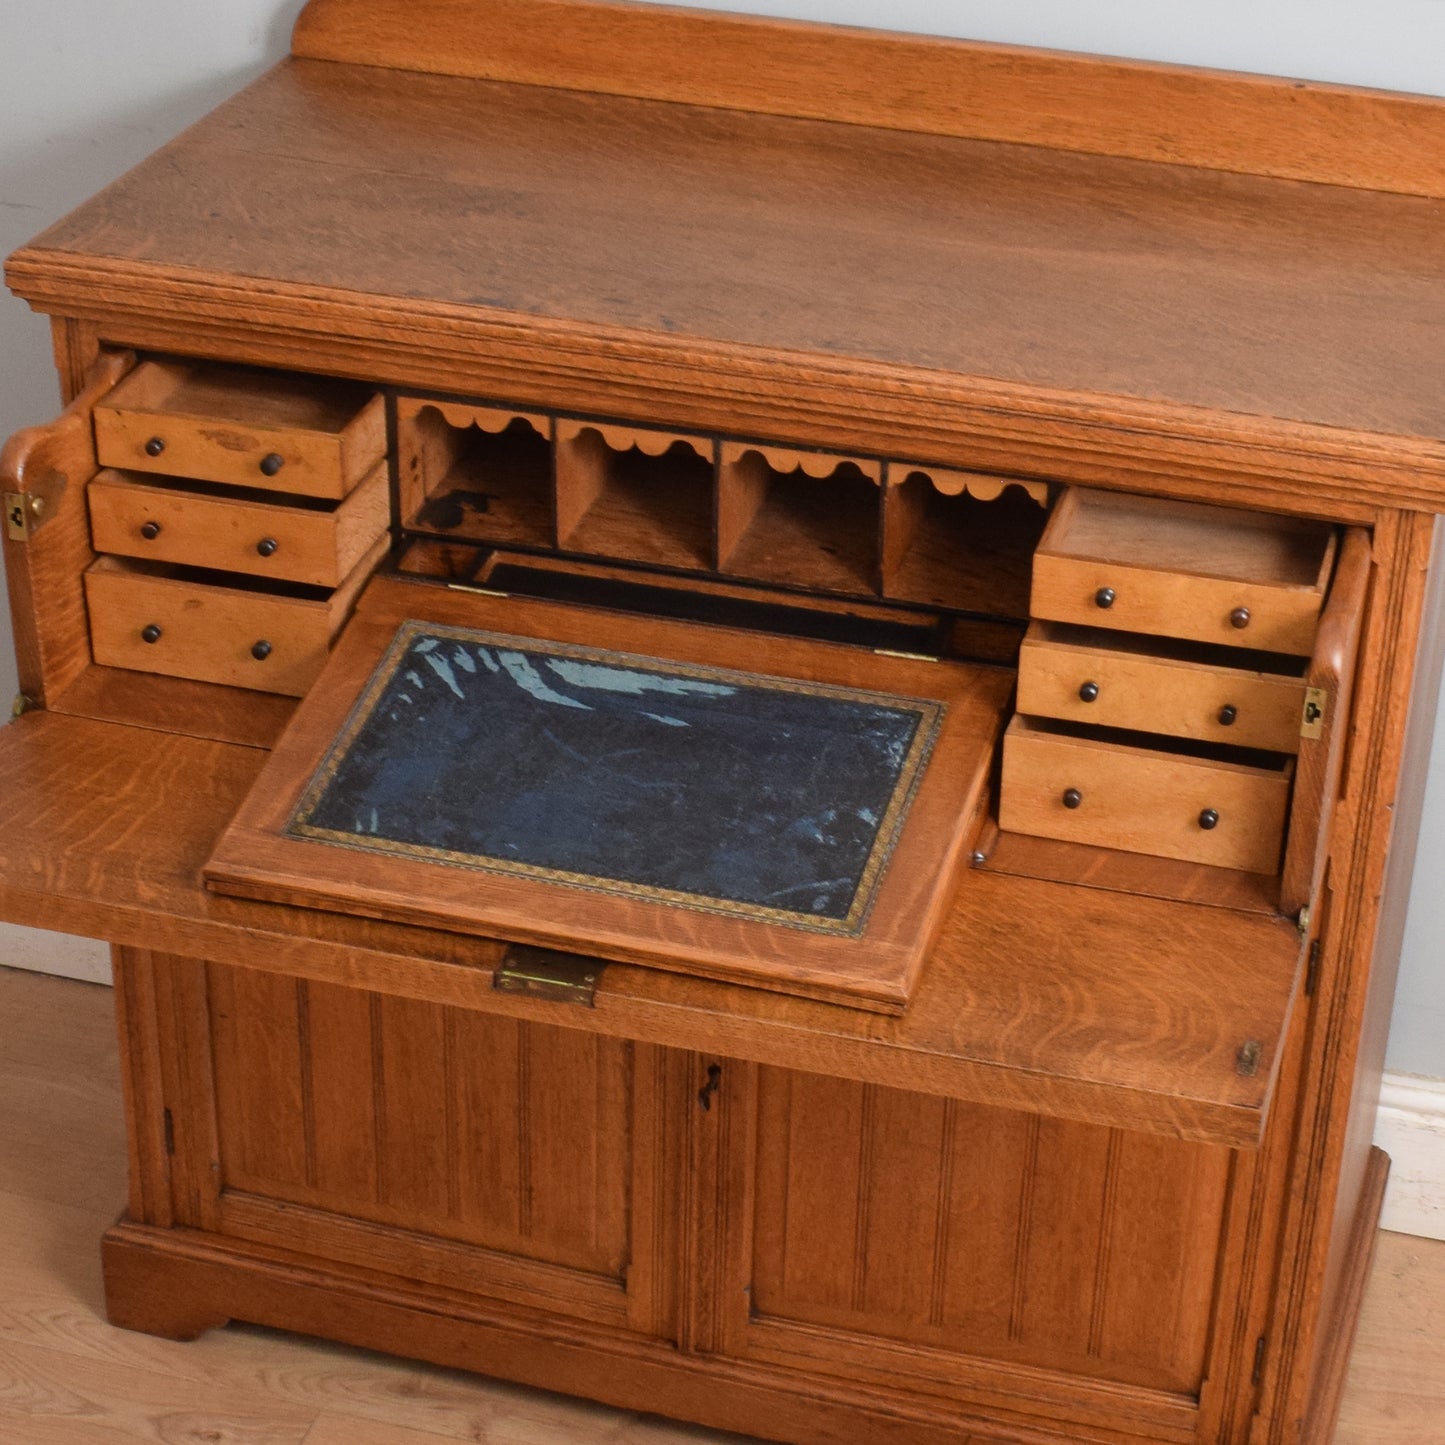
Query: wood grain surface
x,y
53,463
604,253
994,92
996,1016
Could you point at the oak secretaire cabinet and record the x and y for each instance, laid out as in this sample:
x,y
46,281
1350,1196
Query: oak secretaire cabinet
x,y
1020,470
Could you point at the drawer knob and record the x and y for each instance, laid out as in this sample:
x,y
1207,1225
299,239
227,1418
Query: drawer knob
x,y
150,633
150,530
155,446
1104,597
1227,715
267,546
1239,618
1089,692
1072,797
272,463
1208,819
261,650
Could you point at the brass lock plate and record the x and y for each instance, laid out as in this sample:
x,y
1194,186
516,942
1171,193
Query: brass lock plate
x,y
17,516
549,973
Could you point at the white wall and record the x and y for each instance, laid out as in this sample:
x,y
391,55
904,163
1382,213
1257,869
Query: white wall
x,y
91,86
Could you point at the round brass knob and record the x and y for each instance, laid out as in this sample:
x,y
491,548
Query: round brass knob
x,y
261,650
155,446
1089,692
150,633
1239,618
267,546
1208,819
1227,715
150,530
1104,597
1072,797
272,463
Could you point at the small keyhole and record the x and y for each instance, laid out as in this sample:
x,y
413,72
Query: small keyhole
x,y
714,1083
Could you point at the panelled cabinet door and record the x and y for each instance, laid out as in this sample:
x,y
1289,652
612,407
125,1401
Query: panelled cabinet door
x,y
1003,1261
503,1159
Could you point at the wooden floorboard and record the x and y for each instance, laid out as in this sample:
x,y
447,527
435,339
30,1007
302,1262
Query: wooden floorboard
x,y
68,1378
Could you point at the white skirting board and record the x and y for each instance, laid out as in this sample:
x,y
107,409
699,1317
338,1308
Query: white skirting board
x,y
1410,1128
54,953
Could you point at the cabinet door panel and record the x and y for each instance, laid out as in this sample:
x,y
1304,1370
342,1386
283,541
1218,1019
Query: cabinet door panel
x,y
971,1245
339,1111
46,535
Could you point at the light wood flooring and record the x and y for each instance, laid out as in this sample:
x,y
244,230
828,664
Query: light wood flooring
x,y
67,1378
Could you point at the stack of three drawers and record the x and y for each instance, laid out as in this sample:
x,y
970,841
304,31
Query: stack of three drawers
x,y
1162,684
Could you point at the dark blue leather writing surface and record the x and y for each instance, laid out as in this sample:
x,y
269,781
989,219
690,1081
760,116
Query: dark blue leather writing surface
x,y
704,788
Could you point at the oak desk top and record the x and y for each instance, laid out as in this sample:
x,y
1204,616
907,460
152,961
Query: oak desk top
x,y
858,285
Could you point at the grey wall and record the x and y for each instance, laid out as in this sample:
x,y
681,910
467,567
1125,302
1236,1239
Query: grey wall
x,y
91,86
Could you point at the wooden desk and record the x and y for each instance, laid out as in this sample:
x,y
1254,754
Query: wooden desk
x,y
771,316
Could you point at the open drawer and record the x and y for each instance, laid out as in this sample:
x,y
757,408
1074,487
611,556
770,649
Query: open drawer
x,y
310,436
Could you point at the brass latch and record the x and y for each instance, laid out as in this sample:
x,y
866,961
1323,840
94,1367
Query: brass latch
x,y
22,510
1312,719
547,973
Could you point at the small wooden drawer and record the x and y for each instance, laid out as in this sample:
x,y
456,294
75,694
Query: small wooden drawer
x,y
1057,784
153,619
1135,683
316,544
309,436
1180,569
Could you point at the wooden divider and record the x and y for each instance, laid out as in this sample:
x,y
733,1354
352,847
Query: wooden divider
x,y
920,534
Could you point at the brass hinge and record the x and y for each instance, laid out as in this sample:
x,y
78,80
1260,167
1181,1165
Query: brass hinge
x,y
1312,969
547,973
906,656
1259,1350
1246,1061
1312,716
22,511
23,704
